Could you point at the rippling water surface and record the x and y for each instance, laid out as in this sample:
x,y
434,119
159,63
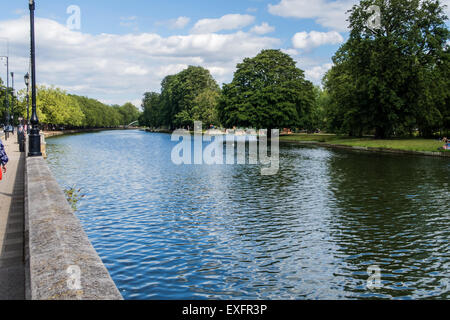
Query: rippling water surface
x,y
226,232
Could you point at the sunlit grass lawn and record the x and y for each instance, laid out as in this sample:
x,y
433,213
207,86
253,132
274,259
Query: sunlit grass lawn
x,y
409,144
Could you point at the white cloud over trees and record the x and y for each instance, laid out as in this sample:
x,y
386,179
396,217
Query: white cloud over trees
x,y
308,41
227,22
114,67
329,14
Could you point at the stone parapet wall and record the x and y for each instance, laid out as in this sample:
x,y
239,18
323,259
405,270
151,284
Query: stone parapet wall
x,y
61,263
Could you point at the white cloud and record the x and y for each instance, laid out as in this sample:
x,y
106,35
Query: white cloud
x,y
315,74
179,23
330,14
447,10
120,68
135,71
137,103
169,69
291,52
227,22
308,41
263,28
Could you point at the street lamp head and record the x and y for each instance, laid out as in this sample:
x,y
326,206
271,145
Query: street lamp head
x,y
27,79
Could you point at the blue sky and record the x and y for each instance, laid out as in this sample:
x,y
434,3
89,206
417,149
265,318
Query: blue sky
x,y
125,48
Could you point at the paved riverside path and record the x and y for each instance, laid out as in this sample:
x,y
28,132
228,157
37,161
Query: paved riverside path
x,y
12,271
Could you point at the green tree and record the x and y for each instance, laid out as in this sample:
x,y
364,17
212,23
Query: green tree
x,y
13,108
152,113
91,110
2,102
342,109
179,93
317,118
55,107
169,100
129,113
267,91
388,79
205,107
441,93
97,114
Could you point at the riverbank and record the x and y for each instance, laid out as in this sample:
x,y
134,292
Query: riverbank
x,y
49,134
157,130
417,146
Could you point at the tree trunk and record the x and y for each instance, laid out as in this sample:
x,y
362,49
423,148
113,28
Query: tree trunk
x,y
380,133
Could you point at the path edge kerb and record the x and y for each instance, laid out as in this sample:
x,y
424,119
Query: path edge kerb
x,y
55,241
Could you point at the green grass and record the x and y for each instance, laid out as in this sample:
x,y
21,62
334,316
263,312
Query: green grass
x,y
408,144
312,137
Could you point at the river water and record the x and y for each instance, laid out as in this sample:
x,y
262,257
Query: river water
x,y
225,232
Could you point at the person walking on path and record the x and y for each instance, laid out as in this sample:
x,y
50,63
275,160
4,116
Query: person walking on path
x,y
3,157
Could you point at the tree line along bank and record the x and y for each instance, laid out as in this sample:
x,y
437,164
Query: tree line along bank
x,y
389,82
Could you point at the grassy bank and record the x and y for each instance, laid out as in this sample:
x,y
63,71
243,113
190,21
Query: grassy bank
x,y
406,144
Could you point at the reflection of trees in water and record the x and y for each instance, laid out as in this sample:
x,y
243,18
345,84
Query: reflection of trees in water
x,y
56,151
391,213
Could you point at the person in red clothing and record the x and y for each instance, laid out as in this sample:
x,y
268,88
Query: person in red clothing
x,y
3,157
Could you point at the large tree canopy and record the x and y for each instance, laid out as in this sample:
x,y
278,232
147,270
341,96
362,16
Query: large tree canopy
x,y
57,107
97,114
152,114
54,106
129,113
179,104
13,107
267,91
391,79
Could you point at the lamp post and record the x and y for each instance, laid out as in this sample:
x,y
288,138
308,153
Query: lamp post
x,y
27,83
11,112
34,136
7,100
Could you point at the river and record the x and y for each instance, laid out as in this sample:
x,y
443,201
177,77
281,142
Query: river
x,y
226,232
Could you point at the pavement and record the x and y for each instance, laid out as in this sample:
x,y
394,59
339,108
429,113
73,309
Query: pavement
x,y
12,270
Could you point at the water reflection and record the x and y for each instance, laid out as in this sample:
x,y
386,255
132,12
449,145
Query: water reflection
x,y
226,232
393,213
